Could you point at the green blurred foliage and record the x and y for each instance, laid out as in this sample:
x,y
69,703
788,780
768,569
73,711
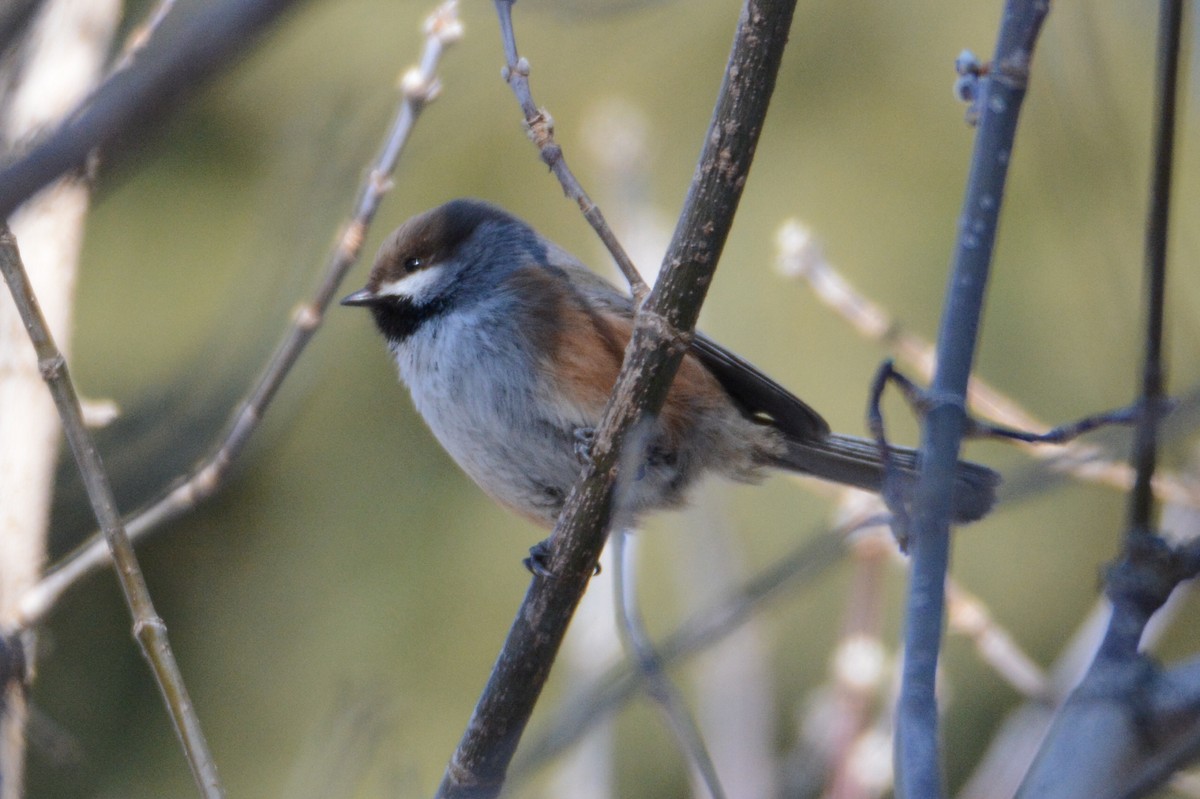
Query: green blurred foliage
x,y
348,551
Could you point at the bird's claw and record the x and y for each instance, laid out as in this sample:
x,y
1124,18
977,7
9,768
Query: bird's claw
x,y
584,436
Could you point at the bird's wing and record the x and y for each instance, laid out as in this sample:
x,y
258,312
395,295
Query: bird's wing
x,y
754,392
757,394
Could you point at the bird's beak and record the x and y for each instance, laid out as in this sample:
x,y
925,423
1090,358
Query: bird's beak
x,y
362,297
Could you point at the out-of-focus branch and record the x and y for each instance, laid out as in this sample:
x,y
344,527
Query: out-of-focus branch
x,y
148,628
540,127
648,662
856,670
662,330
419,86
1127,709
167,68
999,104
140,36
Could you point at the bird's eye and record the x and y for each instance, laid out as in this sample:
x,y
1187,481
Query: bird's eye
x,y
413,263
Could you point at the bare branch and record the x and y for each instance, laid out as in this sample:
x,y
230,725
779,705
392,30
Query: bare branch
x,y
999,105
419,86
163,71
1145,445
662,329
649,664
540,127
148,628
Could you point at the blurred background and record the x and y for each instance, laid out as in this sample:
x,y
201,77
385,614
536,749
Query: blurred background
x,y
337,608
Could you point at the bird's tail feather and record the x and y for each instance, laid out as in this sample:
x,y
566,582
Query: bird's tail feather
x,y
854,461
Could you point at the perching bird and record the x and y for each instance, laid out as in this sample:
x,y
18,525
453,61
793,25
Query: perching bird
x,y
510,347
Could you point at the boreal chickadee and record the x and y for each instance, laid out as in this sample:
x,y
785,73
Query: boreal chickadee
x,y
510,347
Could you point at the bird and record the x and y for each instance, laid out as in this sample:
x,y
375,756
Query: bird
x,y
510,347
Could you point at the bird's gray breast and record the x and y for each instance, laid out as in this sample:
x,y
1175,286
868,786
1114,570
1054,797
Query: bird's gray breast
x,y
481,388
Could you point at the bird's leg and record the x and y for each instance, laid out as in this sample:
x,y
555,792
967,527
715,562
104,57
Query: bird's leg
x,y
538,562
919,401
891,492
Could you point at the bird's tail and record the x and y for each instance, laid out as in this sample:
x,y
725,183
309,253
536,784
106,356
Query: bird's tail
x,y
855,462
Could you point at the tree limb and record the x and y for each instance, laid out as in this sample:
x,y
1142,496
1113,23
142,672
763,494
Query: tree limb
x,y
998,105
662,330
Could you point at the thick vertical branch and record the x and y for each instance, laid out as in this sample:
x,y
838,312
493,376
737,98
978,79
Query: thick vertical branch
x,y
999,104
661,333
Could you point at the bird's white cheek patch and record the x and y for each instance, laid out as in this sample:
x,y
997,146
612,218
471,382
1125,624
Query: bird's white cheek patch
x,y
415,286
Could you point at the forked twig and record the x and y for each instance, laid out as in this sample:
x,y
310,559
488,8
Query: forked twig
x,y
540,127
419,86
148,628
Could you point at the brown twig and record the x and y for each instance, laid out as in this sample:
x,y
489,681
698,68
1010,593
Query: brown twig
x,y
662,330
540,127
148,628
419,86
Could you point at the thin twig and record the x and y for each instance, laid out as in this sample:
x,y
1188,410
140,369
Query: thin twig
x,y
662,330
1001,93
1145,444
648,662
540,127
148,628
419,86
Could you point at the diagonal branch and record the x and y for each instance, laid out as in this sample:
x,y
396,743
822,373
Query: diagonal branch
x,y
999,105
419,87
662,330
540,127
148,628
165,69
